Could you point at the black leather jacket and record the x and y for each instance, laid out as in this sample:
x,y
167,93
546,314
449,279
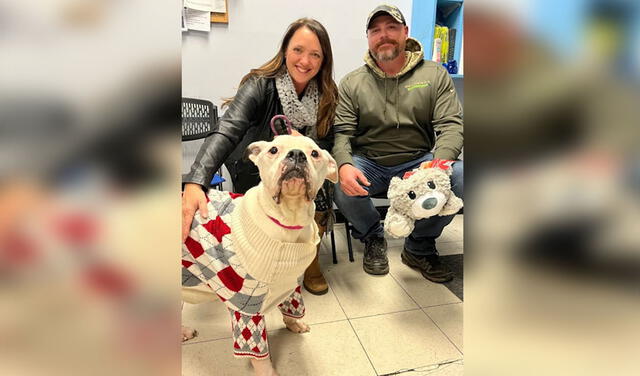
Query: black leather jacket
x,y
245,121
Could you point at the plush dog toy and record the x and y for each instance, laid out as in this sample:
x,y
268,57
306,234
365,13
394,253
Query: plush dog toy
x,y
421,193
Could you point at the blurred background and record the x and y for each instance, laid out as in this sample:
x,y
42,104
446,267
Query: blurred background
x,y
553,186
90,187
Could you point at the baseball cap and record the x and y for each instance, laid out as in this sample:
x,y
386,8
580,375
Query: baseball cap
x,y
391,10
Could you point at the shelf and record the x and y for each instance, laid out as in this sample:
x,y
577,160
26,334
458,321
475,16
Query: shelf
x,y
426,13
456,76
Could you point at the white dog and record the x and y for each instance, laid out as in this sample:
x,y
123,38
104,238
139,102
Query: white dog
x,y
252,249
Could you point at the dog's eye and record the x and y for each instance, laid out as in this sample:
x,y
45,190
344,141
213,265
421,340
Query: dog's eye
x,y
273,150
431,184
412,195
315,154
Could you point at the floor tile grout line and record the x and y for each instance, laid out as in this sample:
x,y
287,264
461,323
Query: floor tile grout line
x,y
363,349
426,314
443,304
268,331
356,334
417,369
445,334
205,341
383,314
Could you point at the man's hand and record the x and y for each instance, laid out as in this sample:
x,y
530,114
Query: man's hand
x,y
349,178
193,199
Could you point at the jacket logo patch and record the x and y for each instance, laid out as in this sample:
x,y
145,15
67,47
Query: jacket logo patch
x,y
418,85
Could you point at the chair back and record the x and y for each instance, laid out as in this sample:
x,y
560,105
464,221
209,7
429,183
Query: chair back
x,y
199,118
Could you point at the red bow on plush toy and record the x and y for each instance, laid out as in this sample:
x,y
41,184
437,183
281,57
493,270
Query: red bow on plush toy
x,y
442,164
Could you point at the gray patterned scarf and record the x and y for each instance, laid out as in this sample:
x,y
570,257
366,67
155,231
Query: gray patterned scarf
x,y
301,112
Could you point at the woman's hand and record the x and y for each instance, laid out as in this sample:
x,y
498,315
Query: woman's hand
x,y
193,199
295,133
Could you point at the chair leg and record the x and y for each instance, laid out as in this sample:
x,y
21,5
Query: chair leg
x,y
333,248
349,246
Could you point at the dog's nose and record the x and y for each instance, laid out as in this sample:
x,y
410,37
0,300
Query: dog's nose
x,y
297,155
429,203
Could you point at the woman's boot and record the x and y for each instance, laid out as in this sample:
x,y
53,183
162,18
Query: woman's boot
x,y
313,280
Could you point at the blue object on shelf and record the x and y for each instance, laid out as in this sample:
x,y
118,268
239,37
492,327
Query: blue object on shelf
x,y
217,179
452,67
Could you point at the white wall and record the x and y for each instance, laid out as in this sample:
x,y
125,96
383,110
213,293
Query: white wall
x,y
213,63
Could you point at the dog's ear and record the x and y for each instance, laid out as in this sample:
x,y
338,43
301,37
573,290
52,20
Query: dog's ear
x,y
332,169
254,149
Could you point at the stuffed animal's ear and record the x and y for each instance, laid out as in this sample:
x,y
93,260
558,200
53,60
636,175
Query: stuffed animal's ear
x,y
254,149
452,206
332,169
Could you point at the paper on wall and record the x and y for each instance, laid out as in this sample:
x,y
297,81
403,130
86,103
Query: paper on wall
x,y
202,5
198,20
219,6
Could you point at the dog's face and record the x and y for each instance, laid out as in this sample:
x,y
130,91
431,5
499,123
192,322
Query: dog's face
x,y
292,166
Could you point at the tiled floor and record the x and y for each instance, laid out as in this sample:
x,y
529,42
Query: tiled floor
x,y
366,325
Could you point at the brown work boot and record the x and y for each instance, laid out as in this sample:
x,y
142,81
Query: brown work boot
x,y
314,281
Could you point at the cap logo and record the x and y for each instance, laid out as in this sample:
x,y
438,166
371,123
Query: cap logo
x,y
391,10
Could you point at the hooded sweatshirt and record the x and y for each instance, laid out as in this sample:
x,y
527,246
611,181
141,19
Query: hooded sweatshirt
x,y
395,119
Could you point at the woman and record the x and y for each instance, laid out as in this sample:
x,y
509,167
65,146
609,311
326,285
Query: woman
x,y
298,83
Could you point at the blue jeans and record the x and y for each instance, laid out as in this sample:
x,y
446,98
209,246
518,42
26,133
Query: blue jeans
x,y
365,219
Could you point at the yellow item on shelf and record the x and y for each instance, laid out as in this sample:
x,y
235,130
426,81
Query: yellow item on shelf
x,y
442,33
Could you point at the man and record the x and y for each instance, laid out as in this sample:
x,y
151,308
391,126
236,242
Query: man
x,y
395,112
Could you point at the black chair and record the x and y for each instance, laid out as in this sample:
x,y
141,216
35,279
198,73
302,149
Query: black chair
x,y
199,119
340,218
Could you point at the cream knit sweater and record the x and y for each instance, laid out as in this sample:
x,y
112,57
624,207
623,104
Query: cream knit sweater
x,y
276,263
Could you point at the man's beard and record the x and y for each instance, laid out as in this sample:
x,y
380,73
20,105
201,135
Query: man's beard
x,y
387,55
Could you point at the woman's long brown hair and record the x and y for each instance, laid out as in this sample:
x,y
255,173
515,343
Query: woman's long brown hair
x,y
326,86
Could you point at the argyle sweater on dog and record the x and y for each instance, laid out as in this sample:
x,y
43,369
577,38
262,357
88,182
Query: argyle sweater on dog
x,y
249,271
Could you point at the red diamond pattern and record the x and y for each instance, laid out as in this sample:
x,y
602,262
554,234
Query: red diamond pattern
x,y
194,247
250,335
230,279
293,306
217,228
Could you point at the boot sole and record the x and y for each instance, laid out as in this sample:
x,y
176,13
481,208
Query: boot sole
x,y
376,272
315,292
424,274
